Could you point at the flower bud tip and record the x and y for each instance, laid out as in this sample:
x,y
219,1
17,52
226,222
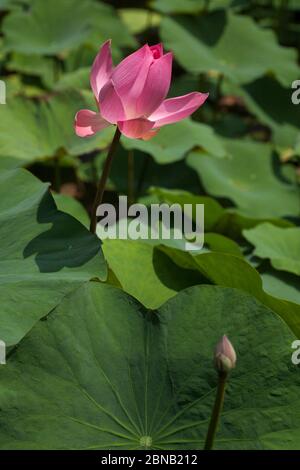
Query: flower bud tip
x,y
225,356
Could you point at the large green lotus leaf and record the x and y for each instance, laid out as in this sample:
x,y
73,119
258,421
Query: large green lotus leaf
x,y
281,284
132,264
35,65
16,86
60,25
227,270
72,207
103,373
232,45
8,163
188,6
78,79
214,241
220,243
248,179
49,127
172,142
280,245
44,254
280,114
178,6
147,275
232,223
59,113
258,96
107,23
6,4
216,218
10,4
152,279
83,56
139,19
175,239
213,211
48,27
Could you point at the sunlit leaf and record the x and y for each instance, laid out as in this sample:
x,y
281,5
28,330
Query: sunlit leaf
x,y
72,207
216,218
220,243
138,19
173,141
49,127
248,179
281,284
60,25
227,270
150,277
281,246
33,65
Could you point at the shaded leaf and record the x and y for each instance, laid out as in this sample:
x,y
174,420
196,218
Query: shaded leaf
x,y
272,104
44,253
109,393
213,43
188,6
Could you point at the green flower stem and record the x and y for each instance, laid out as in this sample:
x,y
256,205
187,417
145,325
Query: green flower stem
x,y
103,179
130,189
217,409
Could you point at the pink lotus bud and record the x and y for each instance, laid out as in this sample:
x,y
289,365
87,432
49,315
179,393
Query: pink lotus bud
x,y
132,95
225,356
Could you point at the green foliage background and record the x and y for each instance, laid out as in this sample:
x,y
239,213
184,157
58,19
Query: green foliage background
x,y
110,345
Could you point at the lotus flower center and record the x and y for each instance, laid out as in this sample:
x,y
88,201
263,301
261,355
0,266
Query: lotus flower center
x,y
156,53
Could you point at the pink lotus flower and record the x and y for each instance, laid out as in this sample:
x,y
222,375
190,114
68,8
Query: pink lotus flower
x,y
225,356
132,94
